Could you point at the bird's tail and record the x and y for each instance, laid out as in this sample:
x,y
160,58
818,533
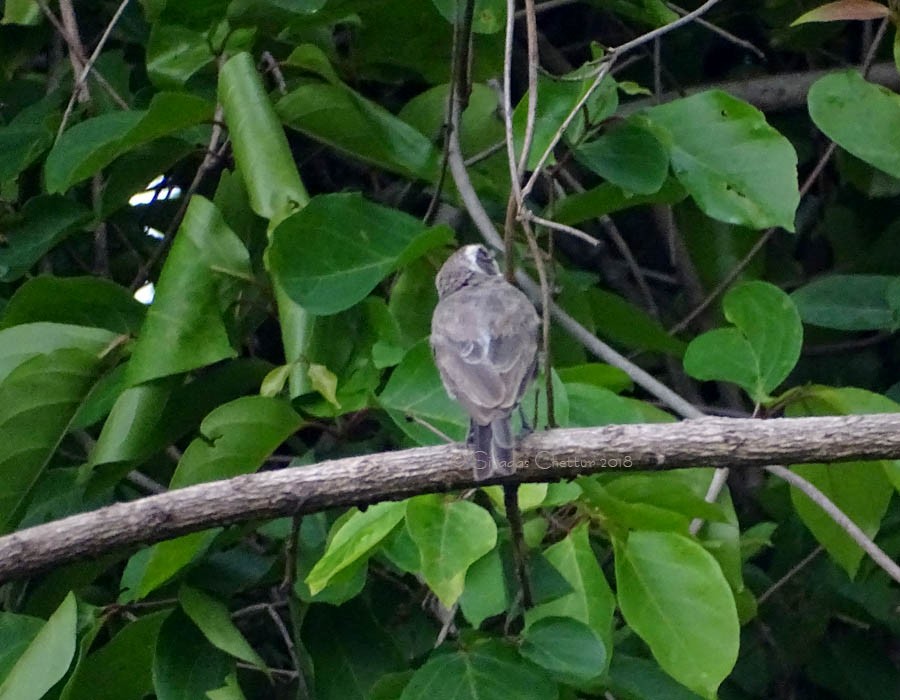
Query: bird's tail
x,y
493,445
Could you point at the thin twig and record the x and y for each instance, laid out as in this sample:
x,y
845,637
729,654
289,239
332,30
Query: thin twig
x,y
571,230
796,569
715,29
877,554
82,76
209,159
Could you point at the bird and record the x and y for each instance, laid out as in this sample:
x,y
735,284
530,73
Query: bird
x,y
484,338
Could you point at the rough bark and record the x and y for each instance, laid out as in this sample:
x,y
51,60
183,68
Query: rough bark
x,y
546,456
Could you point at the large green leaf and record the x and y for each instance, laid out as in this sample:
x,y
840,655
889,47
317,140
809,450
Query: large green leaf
x,y
339,117
488,670
213,619
862,490
674,596
451,536
488,16
186,665
186,327
641,679
148,417
260,147
16,633
566,647
331,254
354,539
175,53
93,144
47,657
235,439
120,669
38,400
590,600
415,391
737,167
27,136
556,98
850,302
23,342
860,117
80,301
629,156
763,348
45,221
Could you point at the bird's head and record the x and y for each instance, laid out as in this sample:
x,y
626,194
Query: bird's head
x,y
468,265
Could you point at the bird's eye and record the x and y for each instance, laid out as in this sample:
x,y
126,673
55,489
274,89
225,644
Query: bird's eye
x,y
485,261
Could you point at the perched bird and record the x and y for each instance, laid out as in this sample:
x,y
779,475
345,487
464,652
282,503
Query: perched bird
x,y
484,339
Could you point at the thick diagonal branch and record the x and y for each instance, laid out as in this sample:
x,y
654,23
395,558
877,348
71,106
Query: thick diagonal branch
x,y
547,456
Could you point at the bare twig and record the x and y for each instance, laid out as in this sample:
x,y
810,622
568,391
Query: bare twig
x,y
546,456
877,554
796,569
83,74
715,29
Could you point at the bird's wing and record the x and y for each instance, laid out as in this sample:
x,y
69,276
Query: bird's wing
x,y
484,355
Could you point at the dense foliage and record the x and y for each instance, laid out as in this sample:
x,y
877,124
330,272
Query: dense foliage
x,y
299,205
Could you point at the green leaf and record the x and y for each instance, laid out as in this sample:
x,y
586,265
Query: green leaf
x,y
451,536
641,679
79,301
489,16
608,199
175,53
235,438
44,221
331,254
488,670
590,601
763,348
24,139
325,382
485,592
738,168
568,648
261,150
23,342
848,302
415,389
185,326
860,117
91,145
26,12
16,633
46,659
38,400
213,619
147,418
230,691
343,119
630,325
186,665
674,596
556,98
120,669
629,156
355,540
844,10
862,490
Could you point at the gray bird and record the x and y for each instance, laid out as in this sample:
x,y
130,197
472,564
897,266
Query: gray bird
x,y
484,339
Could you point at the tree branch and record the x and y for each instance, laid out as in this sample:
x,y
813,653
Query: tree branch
x,y
546,456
